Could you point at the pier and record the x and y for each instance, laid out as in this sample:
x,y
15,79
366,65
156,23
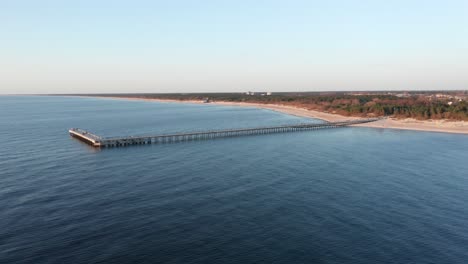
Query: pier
x,y
97,141
86,137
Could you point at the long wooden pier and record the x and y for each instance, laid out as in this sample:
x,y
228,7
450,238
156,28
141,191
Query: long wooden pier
x,y
97,141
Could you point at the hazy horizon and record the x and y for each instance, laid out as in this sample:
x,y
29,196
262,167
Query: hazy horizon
x,y
58,47
234,92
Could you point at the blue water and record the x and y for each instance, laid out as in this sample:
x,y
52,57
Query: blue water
x,y
348,195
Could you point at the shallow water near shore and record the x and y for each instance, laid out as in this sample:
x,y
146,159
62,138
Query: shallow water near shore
x,y
348,195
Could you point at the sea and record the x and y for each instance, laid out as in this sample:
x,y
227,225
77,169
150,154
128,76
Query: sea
x,y
345,195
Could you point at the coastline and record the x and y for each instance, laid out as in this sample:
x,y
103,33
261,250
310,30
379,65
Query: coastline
x,y
442,126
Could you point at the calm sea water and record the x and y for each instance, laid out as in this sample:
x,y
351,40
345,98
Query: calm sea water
x,y
350,195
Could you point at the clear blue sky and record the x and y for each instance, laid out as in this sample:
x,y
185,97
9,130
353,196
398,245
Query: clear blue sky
x,y
207,46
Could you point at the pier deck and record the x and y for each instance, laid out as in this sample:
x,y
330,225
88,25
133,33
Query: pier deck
x,y
86,137
97,141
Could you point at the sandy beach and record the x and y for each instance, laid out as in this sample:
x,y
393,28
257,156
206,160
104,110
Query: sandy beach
x,y
444,126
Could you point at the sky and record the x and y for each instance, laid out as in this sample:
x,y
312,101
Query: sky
x,y
114,46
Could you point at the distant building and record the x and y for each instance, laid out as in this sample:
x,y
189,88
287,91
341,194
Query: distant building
x,y
253,93
443,96
404,95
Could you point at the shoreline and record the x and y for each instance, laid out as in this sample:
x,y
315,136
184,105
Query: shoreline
x,y
442,126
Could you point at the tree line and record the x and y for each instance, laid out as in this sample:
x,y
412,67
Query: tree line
x,y
419,106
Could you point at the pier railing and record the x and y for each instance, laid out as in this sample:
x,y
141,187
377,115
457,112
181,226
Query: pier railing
x,y
98,141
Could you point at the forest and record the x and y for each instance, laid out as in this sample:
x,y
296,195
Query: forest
x,y
422,105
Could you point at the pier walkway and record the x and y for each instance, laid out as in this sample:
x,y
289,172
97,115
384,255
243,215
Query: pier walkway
x,y
97,141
